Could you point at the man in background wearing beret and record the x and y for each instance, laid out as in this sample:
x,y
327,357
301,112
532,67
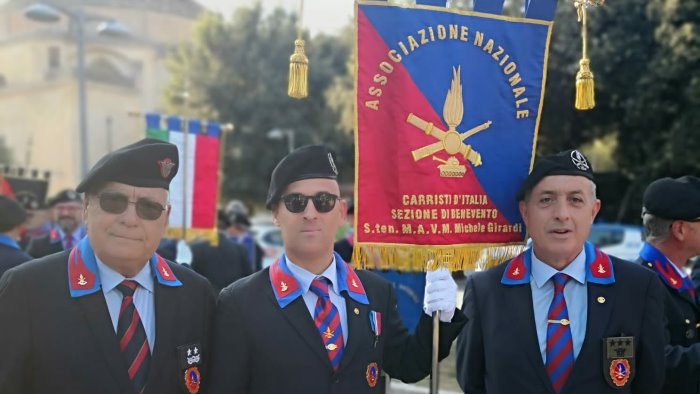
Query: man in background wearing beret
x,y
67,216
12,217
671,216
562,317
309,323
110,315
238,231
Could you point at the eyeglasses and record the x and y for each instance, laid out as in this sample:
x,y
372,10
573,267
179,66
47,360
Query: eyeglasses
x,y
296,202
116,203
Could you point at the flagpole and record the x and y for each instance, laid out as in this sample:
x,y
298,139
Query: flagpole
x,y
434,376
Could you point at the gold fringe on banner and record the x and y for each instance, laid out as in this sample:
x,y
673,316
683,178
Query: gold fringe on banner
x,y
298,66
585,85
194,234
414,258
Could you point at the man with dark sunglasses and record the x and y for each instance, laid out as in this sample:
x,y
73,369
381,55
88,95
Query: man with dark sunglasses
x,y
671,216
309,323
110,315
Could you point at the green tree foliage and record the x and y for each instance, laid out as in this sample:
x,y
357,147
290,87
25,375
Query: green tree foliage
x,y
646,60
237,72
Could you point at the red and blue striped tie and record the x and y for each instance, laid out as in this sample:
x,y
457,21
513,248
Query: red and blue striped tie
x,y
327,321
560,346
132,337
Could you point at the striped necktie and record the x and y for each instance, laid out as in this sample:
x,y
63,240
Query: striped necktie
x,y
327,321
132,337
68,242
560,346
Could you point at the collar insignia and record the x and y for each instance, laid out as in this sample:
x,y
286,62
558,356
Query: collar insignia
x,y
598,266
82,270
284,285
663,267
162,271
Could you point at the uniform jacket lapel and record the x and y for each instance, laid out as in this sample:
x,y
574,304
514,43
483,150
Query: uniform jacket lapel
x,y
358,325
96,316
519,300
166,319
298,317
596,323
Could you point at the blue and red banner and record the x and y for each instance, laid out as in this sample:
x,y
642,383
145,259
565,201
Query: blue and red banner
x,y
448,105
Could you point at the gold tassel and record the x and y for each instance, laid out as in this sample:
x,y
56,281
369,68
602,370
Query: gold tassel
x,y
585,86
298,72
298,65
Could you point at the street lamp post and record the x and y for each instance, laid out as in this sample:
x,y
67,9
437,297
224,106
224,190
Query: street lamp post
x,y
46,13
278,134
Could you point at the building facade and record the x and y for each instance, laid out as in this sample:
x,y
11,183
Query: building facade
x,y
39,79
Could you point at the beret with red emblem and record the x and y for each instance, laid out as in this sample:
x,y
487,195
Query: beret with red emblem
x,y
568,162
307,162
146,163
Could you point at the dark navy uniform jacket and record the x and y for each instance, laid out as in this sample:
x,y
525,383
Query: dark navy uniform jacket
x,y
498,351
262,348
11,257
683,350
53,342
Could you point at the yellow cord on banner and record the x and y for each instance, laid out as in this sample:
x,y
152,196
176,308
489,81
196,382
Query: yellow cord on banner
x,y
299,65
585,86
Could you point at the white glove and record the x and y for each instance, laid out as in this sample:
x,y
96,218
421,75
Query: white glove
x,y
440,294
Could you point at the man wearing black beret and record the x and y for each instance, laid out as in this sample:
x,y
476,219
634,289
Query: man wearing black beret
x,y
67,216
671,216
562,317
12,216
109,316
309,323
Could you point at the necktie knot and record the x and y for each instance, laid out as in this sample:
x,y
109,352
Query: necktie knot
x,y
127,288
560,280
319,286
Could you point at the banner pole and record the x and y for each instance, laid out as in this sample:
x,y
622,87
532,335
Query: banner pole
x,y
434,376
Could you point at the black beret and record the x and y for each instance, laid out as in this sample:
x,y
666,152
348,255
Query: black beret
x,y
67,195
146,163
307,162
673,199
569,162
238,219
11,214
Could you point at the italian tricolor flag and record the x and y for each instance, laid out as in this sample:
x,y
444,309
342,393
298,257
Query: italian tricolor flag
x,y
194,190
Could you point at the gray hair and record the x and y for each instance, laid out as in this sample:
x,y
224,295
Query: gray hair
x,y
656,229
593,192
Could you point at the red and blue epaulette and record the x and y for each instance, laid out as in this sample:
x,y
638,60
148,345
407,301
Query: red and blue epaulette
x,y
284,285
663,267
599,268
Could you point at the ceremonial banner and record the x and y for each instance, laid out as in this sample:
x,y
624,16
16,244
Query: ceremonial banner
x,y
194,190
448,105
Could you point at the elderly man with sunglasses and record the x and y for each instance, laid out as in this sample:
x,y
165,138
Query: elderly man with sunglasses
x,y
671,216
309,323
109,315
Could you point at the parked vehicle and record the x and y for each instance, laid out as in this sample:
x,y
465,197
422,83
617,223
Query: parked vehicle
x,y
619,240
269,237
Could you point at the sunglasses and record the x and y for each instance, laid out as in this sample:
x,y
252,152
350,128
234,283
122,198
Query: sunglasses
x,y
116,203
296,202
